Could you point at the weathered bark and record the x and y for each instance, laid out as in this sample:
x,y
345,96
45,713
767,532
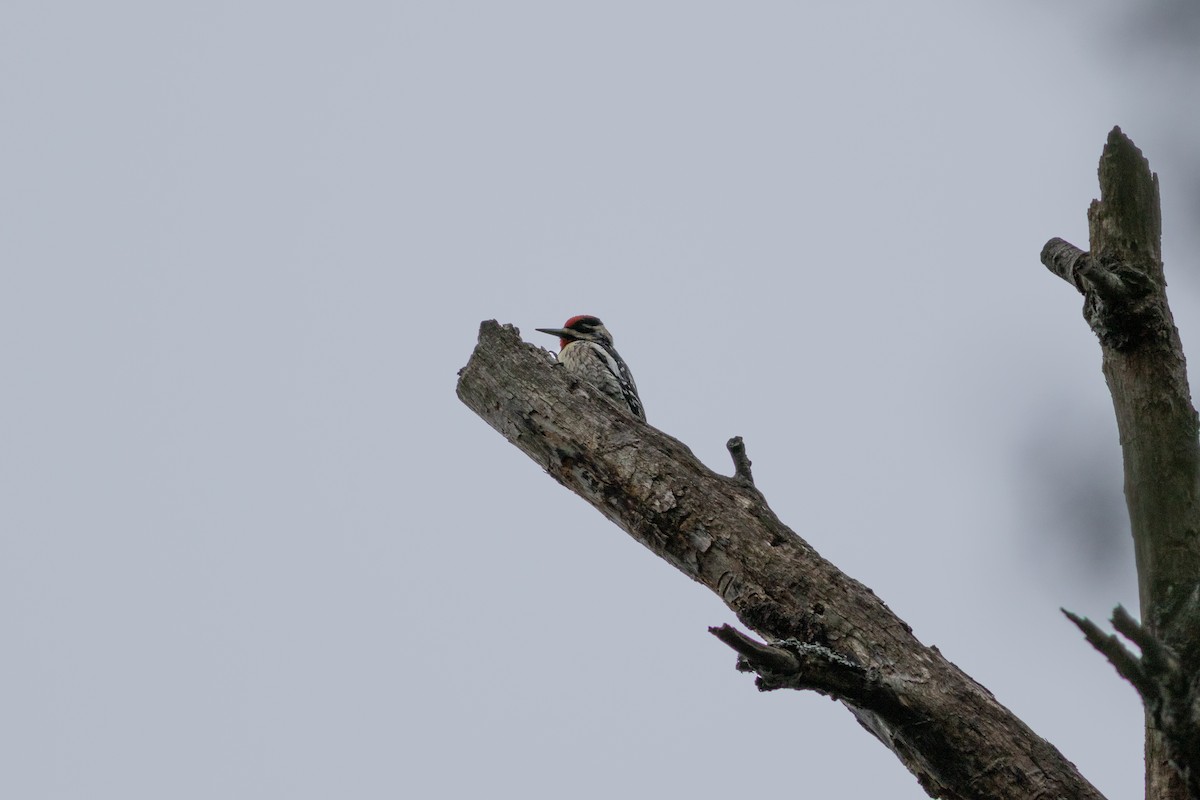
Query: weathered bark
x,y
824,631
1125,303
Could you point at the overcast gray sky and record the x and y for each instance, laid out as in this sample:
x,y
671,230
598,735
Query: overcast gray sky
x,y
252,546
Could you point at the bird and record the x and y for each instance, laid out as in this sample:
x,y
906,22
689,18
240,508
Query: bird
x,y
586,350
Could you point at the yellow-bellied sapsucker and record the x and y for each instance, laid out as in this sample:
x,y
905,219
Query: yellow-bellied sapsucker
x,y
586,350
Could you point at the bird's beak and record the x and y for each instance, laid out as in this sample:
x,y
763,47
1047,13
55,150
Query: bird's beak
x,y
562,333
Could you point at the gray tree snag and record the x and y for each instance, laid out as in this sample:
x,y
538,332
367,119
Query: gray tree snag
x,y
823,630
1125,303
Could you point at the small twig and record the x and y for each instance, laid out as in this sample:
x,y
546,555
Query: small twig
x,y
1083,270
1124,624
741,461
759,656
799,665
1170,699
1128,665
1158,659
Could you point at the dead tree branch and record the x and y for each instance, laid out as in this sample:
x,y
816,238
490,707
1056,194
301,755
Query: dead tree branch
x,y
949,731
1125,303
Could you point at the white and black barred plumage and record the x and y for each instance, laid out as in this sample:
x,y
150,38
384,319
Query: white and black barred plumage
x,y
587,351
